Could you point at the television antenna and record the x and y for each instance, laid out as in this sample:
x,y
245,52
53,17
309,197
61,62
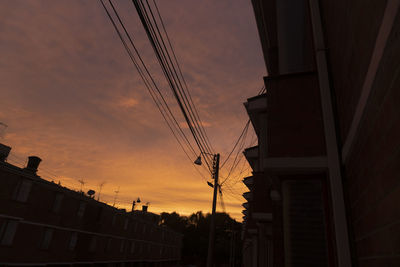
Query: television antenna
x,y
116,194
82,182
3,128
101,187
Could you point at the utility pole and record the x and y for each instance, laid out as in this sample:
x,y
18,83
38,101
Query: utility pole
x,y
214,204
231,251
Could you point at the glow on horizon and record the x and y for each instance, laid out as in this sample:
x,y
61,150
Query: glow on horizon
x,y
70,95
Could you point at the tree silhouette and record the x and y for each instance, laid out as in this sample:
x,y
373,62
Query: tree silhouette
x,y
195,230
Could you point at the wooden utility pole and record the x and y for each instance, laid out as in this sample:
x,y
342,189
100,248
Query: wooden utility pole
x,y
211,238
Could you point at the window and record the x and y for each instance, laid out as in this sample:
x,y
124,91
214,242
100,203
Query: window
x,y
135,227
99,213
81,209
93,243
57,202
144,228
46,239
72,242
22,191
114,219
132,247
7,232
121,249
305,235
108,245
126,224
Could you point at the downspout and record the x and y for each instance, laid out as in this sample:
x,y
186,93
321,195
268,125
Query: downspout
x,y
335,178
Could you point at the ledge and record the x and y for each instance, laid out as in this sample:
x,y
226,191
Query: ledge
x,y
298,164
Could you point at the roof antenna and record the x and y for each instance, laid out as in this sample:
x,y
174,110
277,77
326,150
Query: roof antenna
x,y
101,187
82,182
3,128
115,197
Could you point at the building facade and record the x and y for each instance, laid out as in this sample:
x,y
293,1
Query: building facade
x,y
325,188
43,223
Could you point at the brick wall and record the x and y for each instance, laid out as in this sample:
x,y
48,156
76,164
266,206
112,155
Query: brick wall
x,y
295,127
152,243
350,29
373,169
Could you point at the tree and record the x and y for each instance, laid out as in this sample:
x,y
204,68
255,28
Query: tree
x,y
195,229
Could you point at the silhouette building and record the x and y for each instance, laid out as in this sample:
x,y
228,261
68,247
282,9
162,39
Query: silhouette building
x,y
43,223
325,188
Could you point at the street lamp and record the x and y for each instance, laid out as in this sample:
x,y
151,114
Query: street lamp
x,y
215,173
198,161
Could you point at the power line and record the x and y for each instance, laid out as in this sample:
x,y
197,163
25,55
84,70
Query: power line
x,y
186,92
170,74
235,161
237,142
155,93
183,78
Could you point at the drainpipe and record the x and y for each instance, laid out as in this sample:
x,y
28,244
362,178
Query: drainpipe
x,y
335,178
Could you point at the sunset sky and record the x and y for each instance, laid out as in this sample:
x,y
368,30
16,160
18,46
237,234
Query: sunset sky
x,y
70,95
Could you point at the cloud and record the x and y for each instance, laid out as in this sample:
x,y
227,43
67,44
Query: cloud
x,y
128,102
70,95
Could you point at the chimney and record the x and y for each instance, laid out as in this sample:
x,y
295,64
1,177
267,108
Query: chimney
x,y
144,208
133,205
33,164
4,151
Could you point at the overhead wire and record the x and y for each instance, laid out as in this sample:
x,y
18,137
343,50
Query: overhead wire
x,y
196,113
236,161
155,93
226,184
236,143
171,75
168,60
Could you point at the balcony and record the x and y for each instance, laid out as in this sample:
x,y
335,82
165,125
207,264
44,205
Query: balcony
x,y
248,181
251,155
255,106
248,196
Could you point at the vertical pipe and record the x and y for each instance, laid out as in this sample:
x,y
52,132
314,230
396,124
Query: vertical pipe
x,y
335,177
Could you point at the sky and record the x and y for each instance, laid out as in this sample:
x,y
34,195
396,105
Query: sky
x,y
70,95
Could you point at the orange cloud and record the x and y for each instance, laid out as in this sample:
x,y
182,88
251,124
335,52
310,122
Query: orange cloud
x,y
70,95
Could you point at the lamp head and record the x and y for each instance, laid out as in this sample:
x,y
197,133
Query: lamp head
x,y
198,161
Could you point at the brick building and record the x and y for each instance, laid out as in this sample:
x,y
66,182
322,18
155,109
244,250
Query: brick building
x,y
325,188
43,223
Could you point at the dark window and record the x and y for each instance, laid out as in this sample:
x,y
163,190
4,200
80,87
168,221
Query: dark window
x,y
93,243
121,249
81,209
114,219
57,202
108,245
7,232
46,238
126,224
72,242
22,191
132,247
99,213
